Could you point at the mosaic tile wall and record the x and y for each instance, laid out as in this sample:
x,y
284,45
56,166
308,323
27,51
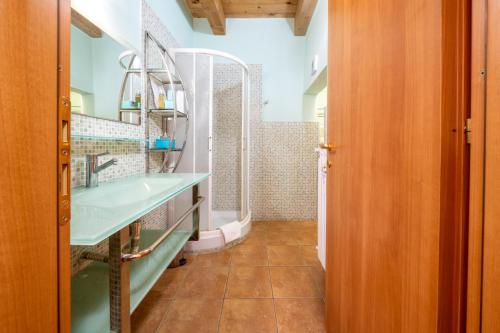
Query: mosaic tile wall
x,y
226,144
283,171
283,162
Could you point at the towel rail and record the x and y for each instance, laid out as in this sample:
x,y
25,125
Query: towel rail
x,y
145,252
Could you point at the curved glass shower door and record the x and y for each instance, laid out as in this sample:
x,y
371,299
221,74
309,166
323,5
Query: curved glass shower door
x,y
219,140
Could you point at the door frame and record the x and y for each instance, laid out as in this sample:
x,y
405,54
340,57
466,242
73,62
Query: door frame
x,y
64,166
455,168
477,165
476,198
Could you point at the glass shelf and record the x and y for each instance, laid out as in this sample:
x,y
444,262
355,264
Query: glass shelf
x,y
164,149
162,76
105,138
168,112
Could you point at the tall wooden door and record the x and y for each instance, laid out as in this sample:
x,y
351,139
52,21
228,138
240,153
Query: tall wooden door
x,y
395,185
31,244
491,245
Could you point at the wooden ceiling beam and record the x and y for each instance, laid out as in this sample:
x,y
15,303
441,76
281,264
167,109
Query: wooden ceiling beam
x,y
305,10
216,11
213,10
260,8
82,23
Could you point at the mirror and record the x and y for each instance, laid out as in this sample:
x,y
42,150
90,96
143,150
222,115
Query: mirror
x,y
101,86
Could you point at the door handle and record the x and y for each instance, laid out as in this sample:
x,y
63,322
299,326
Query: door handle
x,y
328,146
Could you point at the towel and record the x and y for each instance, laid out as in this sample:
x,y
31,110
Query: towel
x,y
231,231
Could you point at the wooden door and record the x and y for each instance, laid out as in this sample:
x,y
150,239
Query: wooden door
x,y
29,230
395,254
491,245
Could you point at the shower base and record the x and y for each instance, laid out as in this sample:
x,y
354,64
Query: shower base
x,y
214,240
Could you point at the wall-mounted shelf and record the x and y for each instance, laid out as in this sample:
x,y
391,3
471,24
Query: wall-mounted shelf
x,y
105,138
129,88
164,150
168,112
163,80
162,76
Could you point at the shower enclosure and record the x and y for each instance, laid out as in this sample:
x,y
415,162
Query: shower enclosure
x,y
217,86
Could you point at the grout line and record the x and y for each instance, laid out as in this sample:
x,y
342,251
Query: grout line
x,y
174,299
220,315
224,296
227,282
165,314
189,268
272,291
225,293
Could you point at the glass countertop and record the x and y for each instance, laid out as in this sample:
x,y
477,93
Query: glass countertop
x,y
97,213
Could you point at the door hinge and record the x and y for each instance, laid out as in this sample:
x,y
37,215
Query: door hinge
x,y
468,130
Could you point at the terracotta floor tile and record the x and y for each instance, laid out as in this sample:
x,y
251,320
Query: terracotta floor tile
x,y
304,236
310,255
222,258
291,225
293,282
306,224
249,255
242,274
259,226
170,281
256,237
285,255
300,315
281,237
147,317
318,275
204,283
277,227
248,316
189,316
249,282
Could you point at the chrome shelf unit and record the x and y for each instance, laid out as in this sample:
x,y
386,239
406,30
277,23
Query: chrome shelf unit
x,y
160,67
130,63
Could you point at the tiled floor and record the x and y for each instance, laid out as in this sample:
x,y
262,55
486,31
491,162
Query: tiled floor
x,y
272,282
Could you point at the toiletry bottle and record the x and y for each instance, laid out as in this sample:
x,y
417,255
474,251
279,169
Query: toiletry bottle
x,y
161,101
138,99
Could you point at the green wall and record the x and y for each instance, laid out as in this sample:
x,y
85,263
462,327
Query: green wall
x,y
176,17
269,42
286,58
316,42
81,61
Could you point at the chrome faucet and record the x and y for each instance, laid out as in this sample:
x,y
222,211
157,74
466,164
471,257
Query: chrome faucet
x,y
92,179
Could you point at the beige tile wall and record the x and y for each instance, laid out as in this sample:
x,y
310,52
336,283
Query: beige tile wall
x,y
283,178
226,146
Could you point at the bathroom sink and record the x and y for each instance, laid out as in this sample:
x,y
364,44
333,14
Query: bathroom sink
x,y
97,213
124,193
